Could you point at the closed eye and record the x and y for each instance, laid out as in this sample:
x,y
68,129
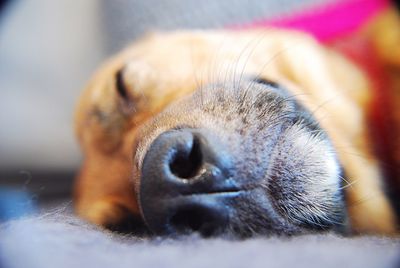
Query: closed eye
x,y
120,84
266,82
127,102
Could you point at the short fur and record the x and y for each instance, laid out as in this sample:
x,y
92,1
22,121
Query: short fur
x,y
298,141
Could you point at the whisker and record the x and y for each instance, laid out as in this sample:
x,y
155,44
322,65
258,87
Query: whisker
x,y
348,184
359,155
199,86
363,200
319,107
257,42
215,63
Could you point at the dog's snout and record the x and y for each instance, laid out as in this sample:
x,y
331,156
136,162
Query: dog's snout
x,y
185,182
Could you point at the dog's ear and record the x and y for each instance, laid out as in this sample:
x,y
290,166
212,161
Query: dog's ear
x,y
385,39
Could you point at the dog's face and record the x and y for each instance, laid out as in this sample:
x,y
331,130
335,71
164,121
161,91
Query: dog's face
x,y
192,132
240,158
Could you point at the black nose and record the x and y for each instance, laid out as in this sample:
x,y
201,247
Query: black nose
x,y
186,183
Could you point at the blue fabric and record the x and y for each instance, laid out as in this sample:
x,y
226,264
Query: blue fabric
x,y
15,204
54,240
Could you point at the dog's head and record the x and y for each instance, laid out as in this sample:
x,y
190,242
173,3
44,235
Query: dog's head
x,y
213,132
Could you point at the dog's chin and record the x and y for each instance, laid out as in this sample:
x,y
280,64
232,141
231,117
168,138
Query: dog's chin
x,y
268,170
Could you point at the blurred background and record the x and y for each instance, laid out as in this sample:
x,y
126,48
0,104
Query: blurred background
x,y
49,49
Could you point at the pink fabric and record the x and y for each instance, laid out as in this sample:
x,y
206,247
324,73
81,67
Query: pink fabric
x,y
327,22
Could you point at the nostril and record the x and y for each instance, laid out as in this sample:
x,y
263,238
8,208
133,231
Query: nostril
x,y
187,164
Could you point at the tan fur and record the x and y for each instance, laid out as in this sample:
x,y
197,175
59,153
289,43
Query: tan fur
x,y
164,67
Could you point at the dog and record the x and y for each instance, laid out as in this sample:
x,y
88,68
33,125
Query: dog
x,y
235,132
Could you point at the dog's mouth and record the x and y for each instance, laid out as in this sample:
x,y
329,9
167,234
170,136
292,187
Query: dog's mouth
x,y
207,214
273,177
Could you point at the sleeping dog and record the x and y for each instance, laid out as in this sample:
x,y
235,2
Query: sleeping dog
x,y
241,133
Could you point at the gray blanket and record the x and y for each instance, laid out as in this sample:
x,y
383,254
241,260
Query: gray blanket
x,y
57,240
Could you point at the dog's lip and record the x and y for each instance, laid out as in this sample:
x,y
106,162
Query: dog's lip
x,y
221,198
227,192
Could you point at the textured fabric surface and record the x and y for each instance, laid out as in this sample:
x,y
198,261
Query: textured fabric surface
x,y
56,240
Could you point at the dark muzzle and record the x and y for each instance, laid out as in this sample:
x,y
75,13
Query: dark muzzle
x,y
186,183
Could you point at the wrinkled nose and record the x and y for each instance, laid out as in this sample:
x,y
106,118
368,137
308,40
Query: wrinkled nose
x,y
186,183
